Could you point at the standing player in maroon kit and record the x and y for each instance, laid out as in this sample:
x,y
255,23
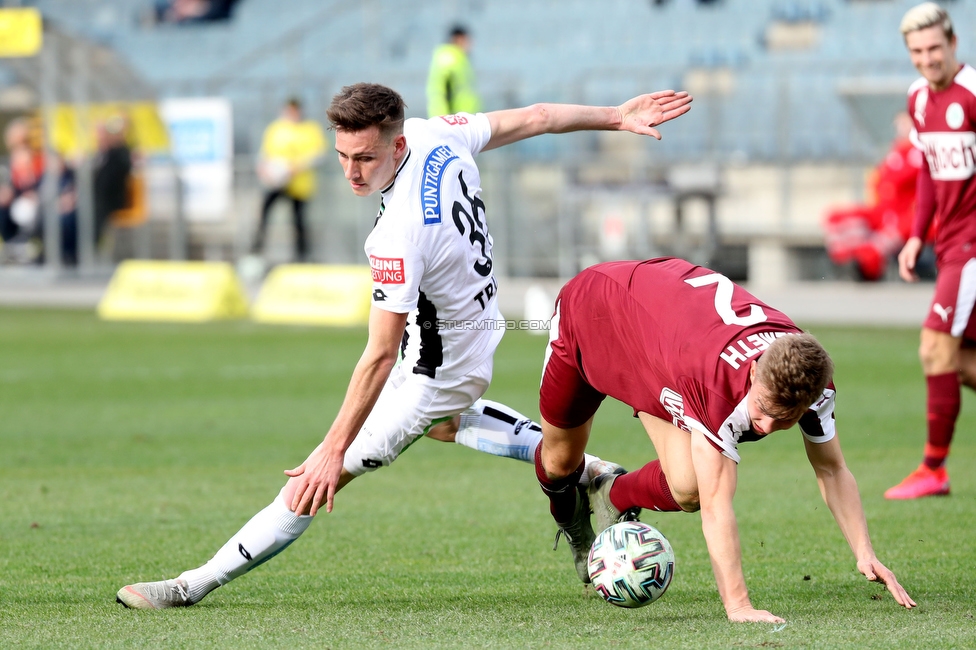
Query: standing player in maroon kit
x,y
942,105
705,366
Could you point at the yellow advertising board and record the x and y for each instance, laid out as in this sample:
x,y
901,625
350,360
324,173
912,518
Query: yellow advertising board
x,y
20,32
314,294
145,129
173,291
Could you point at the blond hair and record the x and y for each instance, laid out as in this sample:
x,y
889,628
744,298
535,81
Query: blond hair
x,y
794,372
925,15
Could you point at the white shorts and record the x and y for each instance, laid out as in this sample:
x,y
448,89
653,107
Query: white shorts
x,y
405,410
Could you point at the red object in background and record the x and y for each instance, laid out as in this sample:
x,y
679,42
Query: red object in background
x,y
869,234
894,188
26,169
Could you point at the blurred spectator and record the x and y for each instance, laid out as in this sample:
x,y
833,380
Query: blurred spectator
x,y
112,167
450,82
20,203
291,149
21,208
68,212
193,11
869,235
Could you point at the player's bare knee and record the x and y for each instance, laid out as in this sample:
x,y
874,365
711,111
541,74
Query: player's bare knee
x,y
287,493
967,367
687,501
445,431
559,463
927,350
557,469
966,377
938,352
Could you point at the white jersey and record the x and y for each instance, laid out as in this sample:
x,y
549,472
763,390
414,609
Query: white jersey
x,y
430,250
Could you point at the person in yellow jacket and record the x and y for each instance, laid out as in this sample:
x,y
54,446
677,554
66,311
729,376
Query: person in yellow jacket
x,y
290,150
450,82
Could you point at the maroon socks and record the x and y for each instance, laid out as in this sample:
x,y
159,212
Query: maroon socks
x,y
561,492
943,409
646,487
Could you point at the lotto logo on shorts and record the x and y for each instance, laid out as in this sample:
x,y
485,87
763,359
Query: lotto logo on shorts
x,y
387,270
454,120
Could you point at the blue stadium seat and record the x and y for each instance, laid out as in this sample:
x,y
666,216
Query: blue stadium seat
x,y
568,50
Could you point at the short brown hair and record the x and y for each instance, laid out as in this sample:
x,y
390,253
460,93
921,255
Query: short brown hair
x,y
363,105
794,372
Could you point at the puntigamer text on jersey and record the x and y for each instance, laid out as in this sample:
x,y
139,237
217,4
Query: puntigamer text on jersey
x,y
435,163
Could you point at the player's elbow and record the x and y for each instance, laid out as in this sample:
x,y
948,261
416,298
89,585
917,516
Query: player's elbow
x,y
538,119
388,358
834,477
382,358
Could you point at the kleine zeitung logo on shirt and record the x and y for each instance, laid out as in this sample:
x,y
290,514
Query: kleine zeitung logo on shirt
x,y
387,270
951,156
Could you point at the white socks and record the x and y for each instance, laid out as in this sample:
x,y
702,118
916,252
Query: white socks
x,y
501,431
487,426
498,430
268,533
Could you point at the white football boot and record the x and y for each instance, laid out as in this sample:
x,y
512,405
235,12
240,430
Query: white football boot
x,y
602,475
155,595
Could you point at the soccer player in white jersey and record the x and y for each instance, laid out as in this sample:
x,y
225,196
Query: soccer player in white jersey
x,y
434,303
942,104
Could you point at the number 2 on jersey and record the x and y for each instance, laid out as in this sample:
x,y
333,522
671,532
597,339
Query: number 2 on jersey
x,y
723,300
479,227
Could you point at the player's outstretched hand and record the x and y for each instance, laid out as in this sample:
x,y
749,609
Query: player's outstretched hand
x,y
876,572
642,113
750,615
317,481
907,259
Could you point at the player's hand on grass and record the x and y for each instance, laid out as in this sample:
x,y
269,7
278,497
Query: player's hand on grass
x,y
907,259
641,114
317,481
751,615
876,572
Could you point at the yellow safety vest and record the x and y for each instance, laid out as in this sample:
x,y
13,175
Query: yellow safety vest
x,y
450,83
297,143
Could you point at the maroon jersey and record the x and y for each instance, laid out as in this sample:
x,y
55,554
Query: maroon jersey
x,y
676,341
945,131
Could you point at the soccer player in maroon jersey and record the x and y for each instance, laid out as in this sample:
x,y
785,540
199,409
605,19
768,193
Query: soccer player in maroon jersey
x,y
705,366
943,108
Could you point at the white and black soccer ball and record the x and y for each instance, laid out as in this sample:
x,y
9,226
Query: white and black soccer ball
x,y
631,564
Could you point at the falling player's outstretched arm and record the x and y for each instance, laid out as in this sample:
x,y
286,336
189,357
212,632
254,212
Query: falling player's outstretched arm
x,y
638,115
839,490
318,476
717,476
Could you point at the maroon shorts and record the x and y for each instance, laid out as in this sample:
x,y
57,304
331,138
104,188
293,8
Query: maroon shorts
x,y
951,310
566,400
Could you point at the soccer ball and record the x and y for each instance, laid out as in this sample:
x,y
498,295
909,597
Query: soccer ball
x,y
631,564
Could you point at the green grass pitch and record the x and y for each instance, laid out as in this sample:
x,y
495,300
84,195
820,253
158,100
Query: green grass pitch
x,y
130,452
